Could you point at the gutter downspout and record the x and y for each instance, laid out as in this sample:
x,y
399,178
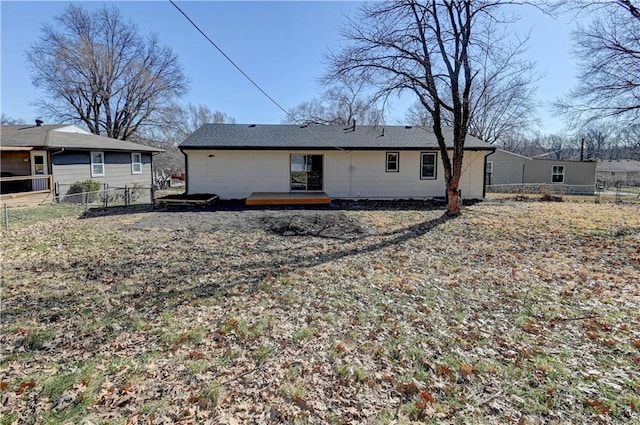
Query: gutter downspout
x,y
186,171
51,182
153,176
484,175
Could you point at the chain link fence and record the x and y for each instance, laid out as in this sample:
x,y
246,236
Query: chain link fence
x,y
91,194
543,188
619,192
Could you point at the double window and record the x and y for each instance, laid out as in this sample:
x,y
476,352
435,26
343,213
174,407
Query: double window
x,y
97,164
393,162
428,164
557,174
136,163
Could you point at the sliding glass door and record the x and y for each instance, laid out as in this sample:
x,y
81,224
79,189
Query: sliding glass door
x,y
306,172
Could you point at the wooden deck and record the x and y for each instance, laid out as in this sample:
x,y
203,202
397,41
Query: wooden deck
x,y
22,199
288,198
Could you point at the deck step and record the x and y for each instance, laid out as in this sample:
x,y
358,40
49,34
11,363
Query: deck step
x,y
288,198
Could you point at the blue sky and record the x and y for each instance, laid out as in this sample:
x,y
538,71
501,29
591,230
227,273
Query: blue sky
x,y
281,45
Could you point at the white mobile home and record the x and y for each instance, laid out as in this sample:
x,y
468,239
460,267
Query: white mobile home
x,y
365,162
508,168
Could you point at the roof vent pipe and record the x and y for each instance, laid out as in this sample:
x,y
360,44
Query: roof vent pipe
x,y
354,125
39,122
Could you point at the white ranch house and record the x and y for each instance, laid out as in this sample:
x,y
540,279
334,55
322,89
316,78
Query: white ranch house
x,y
364,162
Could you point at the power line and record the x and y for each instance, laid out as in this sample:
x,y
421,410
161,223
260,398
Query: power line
x,y
230,60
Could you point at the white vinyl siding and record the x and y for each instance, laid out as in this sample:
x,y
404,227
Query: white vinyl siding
x,y
136,163
235,174
97,164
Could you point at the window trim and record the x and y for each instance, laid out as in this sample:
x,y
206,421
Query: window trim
x,y
554,174
397,161
93,164
435,165
489,167
134,163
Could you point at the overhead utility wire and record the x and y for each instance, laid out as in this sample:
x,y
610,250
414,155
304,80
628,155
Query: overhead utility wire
x,y
230,60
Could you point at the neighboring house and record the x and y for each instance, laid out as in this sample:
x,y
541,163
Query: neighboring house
x,y
507,168
381,162
40,161
624,171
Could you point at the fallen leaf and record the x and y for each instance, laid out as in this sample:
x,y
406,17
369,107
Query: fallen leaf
x,y
427,397
598,406
466,370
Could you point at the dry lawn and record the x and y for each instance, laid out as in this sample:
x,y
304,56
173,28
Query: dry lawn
x,y
522,313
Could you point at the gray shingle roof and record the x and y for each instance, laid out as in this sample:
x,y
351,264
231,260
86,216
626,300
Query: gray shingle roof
x,y
53,137
619,166
315,137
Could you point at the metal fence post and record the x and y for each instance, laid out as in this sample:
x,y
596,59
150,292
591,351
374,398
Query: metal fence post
x,y
6,217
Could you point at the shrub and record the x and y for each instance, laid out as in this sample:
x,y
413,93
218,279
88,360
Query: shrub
x,y
76,191
135,192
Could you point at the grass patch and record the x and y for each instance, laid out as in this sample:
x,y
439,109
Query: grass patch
x,y
512,310
25,216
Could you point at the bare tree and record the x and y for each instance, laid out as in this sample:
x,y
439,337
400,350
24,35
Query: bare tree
x,y
177,123
558,146
96,69
435,50
627,145
595,141
417,115
7,120
503,91
342,104
181,121
503,104
608,52
523,144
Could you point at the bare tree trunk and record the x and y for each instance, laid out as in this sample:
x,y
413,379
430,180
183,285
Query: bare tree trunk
x,y
435,50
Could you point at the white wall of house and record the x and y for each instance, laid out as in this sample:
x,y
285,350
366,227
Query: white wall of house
x,y
235,174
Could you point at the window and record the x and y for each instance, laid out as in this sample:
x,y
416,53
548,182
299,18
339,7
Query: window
x,y
557,174
136,163
427,166
306,172
97,164
489,167
393,162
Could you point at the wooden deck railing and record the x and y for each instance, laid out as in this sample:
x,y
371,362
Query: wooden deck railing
x,y
25,184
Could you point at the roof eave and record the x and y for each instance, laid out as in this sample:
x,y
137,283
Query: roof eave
x,y
324,148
